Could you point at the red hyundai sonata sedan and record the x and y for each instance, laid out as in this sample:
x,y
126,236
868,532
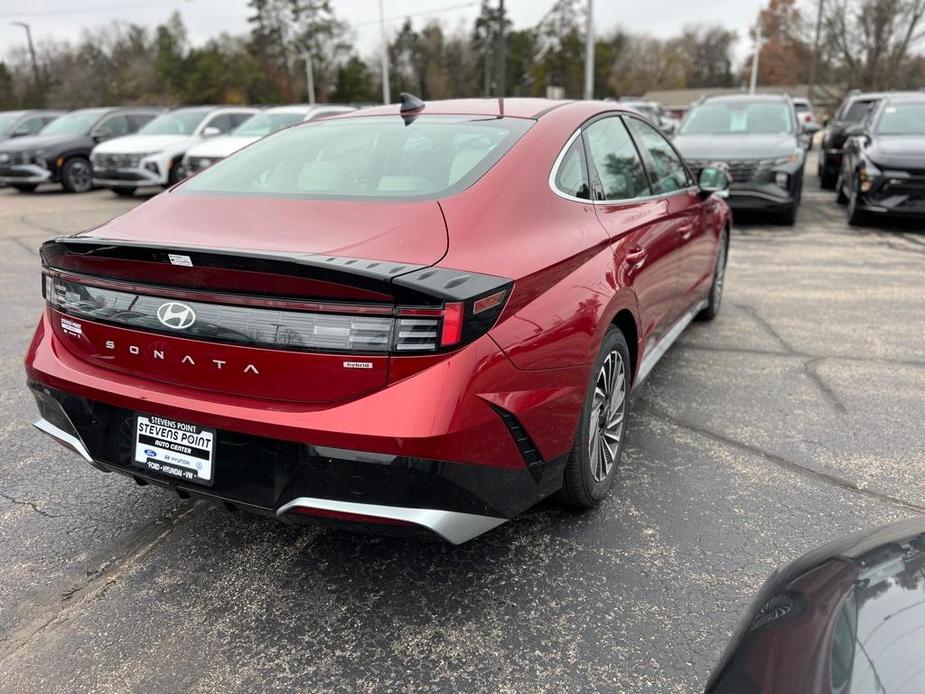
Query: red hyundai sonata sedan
x,y
415,319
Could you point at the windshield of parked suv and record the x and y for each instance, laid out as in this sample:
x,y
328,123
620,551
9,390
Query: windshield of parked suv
x,y
265,123
76,123
903,119
181,122
739,118
377,157
8,120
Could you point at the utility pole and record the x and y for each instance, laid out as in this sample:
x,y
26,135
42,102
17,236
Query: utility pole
x,y
589,52
755,58
502,52
309,76
386,90
35,64
815,63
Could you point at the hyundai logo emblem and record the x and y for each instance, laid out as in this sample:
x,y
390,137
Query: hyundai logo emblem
x,y
175,315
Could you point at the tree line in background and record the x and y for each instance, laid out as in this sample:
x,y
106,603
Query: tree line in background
x,y
869,44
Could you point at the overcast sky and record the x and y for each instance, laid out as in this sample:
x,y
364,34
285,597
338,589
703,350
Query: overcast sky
x,y
205,18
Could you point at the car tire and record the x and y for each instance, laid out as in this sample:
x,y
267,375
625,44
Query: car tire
x,y
595,457
25,187
77,175
856,216
177,173
827,180
123,191
715,298
840,196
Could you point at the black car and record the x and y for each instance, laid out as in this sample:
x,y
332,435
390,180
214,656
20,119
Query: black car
x,y
847,617
60,152
852,111
883,168
24,123
761,141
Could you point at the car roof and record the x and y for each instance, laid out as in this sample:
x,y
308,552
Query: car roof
x,y
905,96
746,97
513,107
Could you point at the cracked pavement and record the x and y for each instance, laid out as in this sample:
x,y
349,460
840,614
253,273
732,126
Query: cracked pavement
x,y
792,419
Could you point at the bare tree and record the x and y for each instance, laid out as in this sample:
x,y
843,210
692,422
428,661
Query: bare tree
x,y
873,39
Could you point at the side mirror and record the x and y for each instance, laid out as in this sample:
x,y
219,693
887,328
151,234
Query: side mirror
x,y
20,132
714,178
811,128
855,130
211,131
101,134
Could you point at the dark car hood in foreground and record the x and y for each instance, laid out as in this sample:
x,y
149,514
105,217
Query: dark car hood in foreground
x,y
849,616
898,151
18,144
724,147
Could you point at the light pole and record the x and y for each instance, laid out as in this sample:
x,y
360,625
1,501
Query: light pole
x,y
35,64
386,91
502,52
589,52
815,63
309,76
755,57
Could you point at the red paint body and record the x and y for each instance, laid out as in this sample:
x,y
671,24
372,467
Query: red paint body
x,y
567,260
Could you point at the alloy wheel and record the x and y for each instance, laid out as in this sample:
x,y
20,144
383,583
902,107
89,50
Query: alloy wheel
x,y
607,414
80,175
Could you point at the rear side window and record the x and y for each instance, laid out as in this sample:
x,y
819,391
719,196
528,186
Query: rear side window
x,y
114,126
222,121
572,175
666,169
373,157
615,160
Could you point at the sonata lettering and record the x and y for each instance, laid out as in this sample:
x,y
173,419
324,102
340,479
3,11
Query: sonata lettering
x,y
160,354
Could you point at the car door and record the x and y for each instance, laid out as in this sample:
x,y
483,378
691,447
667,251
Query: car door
x,y
645,242
671,179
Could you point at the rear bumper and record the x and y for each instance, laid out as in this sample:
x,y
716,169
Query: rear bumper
x,y
447,440
299,482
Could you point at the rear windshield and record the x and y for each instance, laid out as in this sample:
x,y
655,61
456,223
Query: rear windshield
x,y
857,111
262,124
739,118
181,122
375,157
903,119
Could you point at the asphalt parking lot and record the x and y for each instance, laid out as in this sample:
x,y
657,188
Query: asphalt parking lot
x,y
792,419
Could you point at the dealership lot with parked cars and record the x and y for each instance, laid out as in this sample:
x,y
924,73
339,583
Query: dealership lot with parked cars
x,y
787,421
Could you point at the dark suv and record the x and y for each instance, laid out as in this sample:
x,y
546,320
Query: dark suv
x,y
852,111
24,123
60,152
760,140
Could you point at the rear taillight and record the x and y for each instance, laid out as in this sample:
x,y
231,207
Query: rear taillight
x,y
310,326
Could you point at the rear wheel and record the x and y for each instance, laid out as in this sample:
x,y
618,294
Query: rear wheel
x,y
25,187
77,175
123,191
719,280
593,463
827,179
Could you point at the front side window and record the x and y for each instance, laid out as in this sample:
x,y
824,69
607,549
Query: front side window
x,y
222,121
180,122
902,119
377,157
616,160
739,118
572,175
74,124
857,110
32,125
666,170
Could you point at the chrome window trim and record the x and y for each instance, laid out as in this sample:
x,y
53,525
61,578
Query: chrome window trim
x,y
609,203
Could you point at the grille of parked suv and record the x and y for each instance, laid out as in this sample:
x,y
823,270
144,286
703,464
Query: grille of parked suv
x,y
16,158
741,170
116,161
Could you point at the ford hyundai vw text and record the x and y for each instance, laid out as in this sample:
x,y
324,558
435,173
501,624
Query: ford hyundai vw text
x,y
412,320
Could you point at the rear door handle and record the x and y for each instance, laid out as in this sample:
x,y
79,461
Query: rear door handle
x,y
636,256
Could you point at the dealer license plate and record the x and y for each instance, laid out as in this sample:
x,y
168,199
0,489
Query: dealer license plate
x,y
173,448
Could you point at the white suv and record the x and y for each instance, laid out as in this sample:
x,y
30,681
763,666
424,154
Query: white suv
x,y
153,156
203,155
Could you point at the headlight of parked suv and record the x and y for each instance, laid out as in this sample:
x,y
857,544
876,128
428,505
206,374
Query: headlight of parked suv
x,y
792,158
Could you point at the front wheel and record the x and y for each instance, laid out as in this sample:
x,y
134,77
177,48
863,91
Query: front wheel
x,y
856,216
592,465
715,300
77,175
